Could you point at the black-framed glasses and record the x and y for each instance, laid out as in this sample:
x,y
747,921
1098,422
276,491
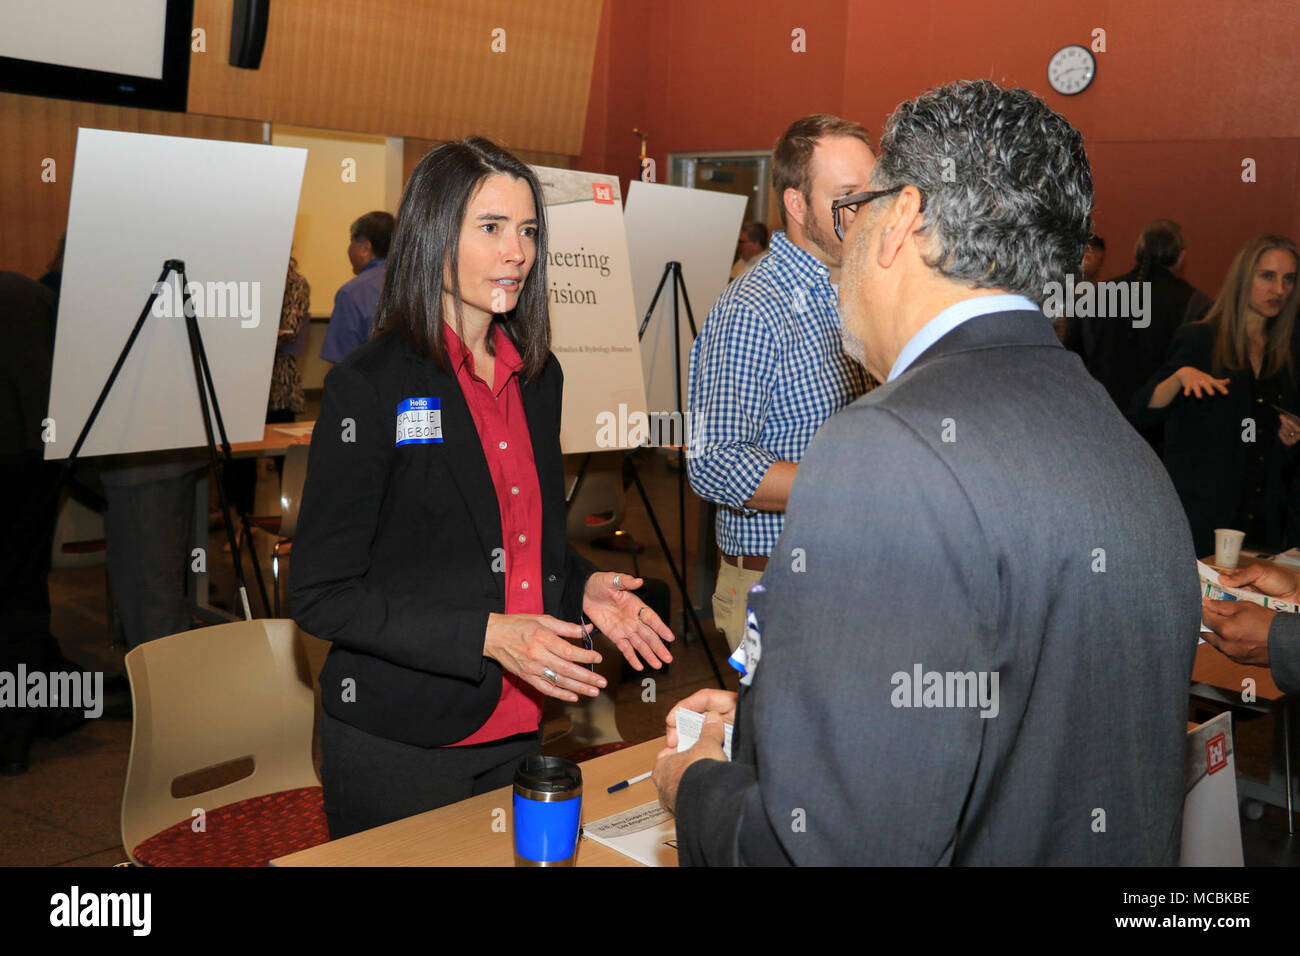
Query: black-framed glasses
x,y
851,203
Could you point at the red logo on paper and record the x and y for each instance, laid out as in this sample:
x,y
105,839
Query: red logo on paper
x,y
1216,754
603,192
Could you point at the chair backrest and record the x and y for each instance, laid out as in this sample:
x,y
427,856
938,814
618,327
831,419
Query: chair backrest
x,y
78,536
600,493
292,482
208,697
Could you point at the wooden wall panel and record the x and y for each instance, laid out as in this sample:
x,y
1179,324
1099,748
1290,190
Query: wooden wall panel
x,y
424,70
414,150
33,129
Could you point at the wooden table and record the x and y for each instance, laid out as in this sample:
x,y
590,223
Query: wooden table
x,y
463,834
275,441
1216,670
1219,679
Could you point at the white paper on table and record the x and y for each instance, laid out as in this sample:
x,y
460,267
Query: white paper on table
x,y
296,429
647,834
1291,558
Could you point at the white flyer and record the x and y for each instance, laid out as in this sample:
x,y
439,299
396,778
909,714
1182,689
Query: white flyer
x,y
647,834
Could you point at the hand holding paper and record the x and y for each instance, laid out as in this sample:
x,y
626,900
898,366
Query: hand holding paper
x,y
1231,617
671,765
1271,586
1238,628
1265,578
690,729
720,702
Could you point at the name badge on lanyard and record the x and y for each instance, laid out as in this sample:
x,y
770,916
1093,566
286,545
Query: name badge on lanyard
x,y
419,421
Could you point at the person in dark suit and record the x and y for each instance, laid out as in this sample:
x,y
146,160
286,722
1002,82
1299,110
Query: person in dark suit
x,y
1252,634
980,589
1228,450
431,542
1119,354
27,316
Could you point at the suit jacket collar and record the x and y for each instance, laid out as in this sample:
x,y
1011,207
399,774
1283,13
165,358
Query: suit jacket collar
x,y
991,331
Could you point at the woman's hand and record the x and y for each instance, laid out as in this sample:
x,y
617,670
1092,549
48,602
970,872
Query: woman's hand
x,y
625,619
1288,433
533,646
1198,383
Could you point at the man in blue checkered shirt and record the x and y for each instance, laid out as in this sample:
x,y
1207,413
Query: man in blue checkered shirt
x,y
769,367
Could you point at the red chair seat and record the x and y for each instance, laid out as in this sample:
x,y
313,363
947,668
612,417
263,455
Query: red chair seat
x,y
252,832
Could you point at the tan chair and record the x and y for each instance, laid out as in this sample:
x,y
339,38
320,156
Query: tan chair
x,y
205,700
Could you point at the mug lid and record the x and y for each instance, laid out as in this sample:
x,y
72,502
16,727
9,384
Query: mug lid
x,y
548,775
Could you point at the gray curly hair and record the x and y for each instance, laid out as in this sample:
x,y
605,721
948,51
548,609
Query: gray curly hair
x,y
1005,179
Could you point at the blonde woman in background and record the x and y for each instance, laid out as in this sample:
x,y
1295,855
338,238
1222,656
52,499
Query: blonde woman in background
x,y
1230,452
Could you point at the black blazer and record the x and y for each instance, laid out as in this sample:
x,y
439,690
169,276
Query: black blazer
x,y
1204,451
394,552
1121,357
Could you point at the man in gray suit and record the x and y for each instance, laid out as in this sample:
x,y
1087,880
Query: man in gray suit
x,y
1001,677
1251,634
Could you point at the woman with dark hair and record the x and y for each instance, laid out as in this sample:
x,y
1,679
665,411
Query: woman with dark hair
x,y
1227,447
436,560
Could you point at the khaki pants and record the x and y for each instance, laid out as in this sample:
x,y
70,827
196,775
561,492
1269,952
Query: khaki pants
x,y
730,599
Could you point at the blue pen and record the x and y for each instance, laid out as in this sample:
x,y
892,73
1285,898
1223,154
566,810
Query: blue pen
x,y
627,783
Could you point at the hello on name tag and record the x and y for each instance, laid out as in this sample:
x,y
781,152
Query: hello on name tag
x,y
419,421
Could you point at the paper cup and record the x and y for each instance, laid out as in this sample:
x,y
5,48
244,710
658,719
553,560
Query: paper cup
x,y
1227,547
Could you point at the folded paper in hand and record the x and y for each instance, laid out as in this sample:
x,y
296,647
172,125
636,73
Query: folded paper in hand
x,y
690,725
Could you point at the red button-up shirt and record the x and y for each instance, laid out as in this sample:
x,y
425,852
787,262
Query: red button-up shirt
x,y
498,414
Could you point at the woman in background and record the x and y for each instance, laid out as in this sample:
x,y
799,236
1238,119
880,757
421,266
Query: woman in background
x,y
1227,447
286,399
431,545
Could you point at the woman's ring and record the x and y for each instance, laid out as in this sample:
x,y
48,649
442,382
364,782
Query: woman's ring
x,y
551,676
639,610
618,578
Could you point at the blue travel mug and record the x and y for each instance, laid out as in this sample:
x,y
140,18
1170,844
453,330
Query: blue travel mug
x,y
547,811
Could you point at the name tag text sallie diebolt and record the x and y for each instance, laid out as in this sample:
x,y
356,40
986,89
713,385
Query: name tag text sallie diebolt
x,y
419,421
